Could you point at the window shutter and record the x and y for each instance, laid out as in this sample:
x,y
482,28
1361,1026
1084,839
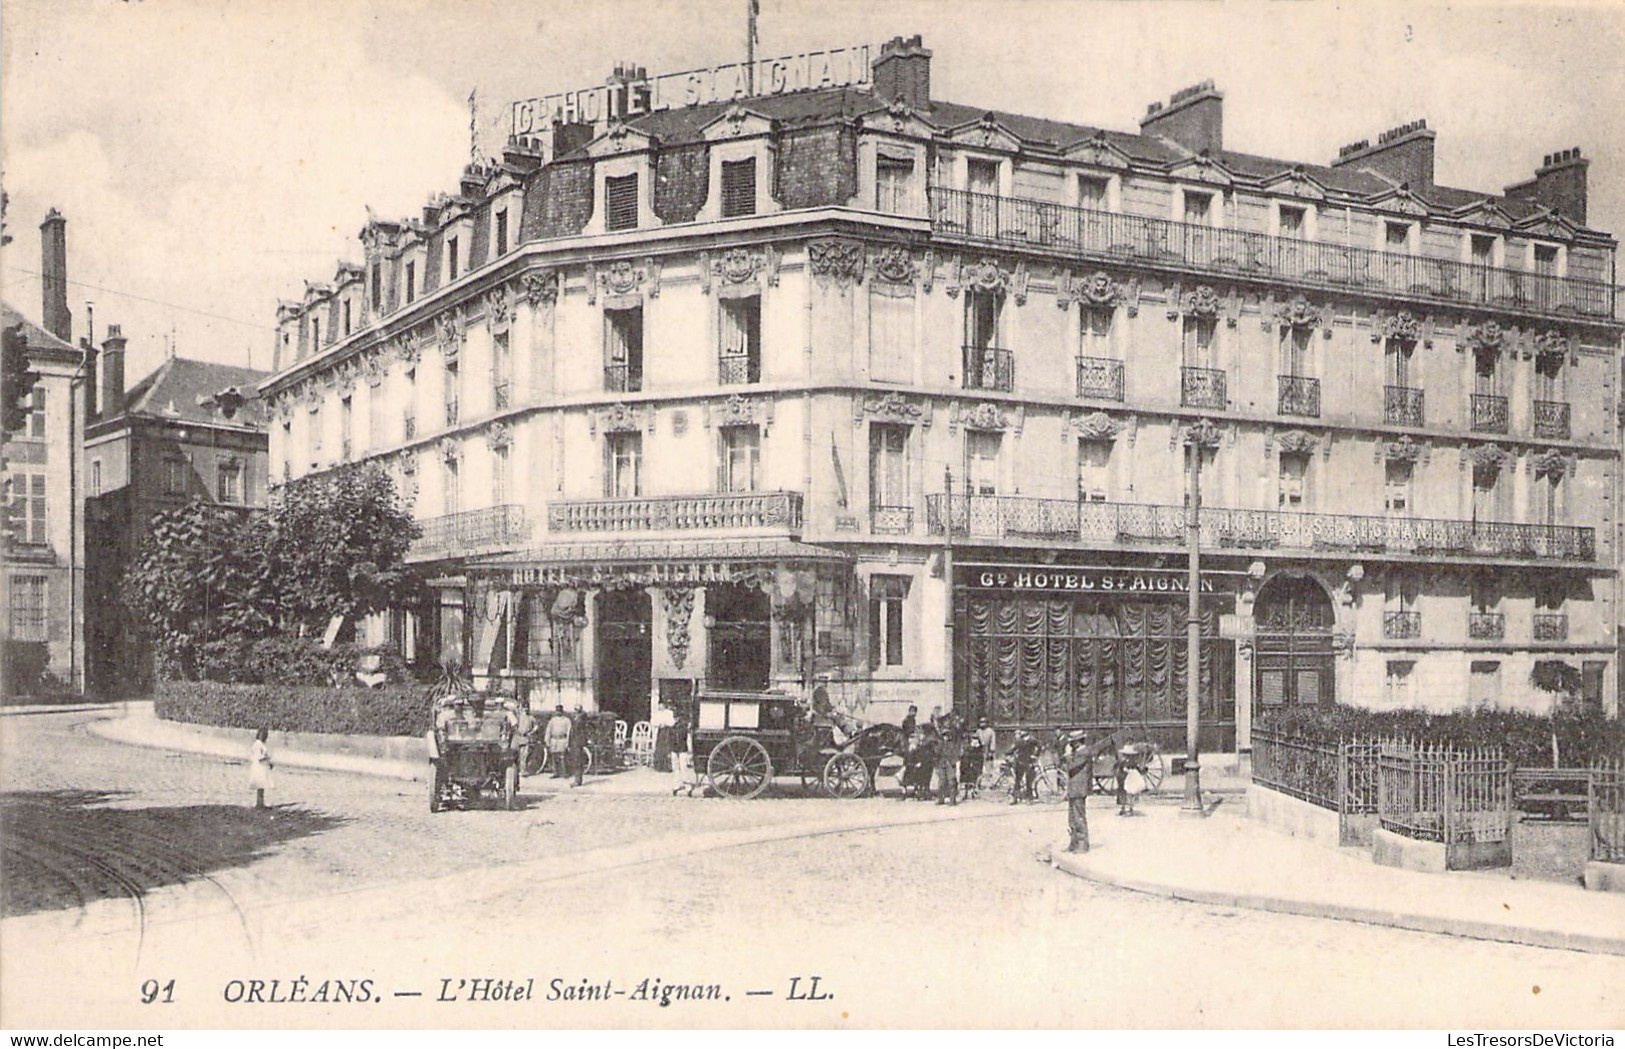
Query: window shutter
x,y
738,187
621,202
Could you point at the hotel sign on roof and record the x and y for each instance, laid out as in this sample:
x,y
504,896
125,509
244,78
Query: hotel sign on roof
x,y
840,67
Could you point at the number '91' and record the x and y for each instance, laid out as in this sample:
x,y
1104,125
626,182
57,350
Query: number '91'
x,y
152,991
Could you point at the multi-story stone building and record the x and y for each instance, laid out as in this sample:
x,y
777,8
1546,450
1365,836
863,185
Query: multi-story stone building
x,y
190,430
734,390
43,543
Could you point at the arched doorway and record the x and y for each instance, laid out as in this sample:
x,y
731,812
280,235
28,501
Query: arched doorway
x,y
1294,618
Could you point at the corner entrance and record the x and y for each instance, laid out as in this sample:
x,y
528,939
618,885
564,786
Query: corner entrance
x,y
624,653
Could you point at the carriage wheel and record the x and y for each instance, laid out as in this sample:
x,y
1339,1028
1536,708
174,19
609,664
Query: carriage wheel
x,y
846,776
739,768
437,788
1156,766
510,787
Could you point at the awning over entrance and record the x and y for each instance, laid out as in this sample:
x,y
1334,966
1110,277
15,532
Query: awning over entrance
x,y
649,562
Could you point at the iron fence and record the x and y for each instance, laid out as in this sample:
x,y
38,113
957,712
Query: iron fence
x,y
1299,395
1605,813
1100,378
1308,769
891,520
1436,793
1403,405
1074,231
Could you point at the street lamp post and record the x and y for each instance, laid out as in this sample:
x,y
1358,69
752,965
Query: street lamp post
x,y
1200,437
948,584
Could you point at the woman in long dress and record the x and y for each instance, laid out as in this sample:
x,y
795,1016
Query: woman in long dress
x,y
259,767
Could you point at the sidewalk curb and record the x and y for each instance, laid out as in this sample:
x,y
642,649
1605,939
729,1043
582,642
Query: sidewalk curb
x,y
1061,860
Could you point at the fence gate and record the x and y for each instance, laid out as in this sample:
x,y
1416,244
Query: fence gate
x,y
1605,813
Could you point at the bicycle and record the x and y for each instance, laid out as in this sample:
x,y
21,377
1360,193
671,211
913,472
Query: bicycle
x,y
1049,782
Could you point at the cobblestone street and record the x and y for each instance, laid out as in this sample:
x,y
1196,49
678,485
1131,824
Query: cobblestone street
x,y
907,922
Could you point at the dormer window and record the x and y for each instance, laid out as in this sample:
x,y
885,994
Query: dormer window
x,y
1396,236
982,176
1483,250
621,202
502,232
1292,222
346,316
451,258
892,178
377,285
1094,192
1546,260
738,187
1198,208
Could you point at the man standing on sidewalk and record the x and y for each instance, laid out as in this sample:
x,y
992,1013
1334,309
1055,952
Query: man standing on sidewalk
x,y
578,744
1079,763
558,741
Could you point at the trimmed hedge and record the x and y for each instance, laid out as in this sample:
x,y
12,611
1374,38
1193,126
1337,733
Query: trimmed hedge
x,y
1582,737
394,710
291,661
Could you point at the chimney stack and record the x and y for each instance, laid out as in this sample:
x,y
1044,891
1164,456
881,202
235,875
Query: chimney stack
x,y
1559,184
1193,117
54,270
113,372
1403,153
902,73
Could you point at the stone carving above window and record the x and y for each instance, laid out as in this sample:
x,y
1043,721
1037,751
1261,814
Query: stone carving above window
x,y
620,277
1403,326
499,309
540,288
1201,301
986,416
499,435
1091,426
1552,463
622,418
893,407
1203,433
1297,442
1097,291
894,264
1552,345
374,366
449,332
1488,336
836,259
408,347
987,275
738,266
1403,450
739,410
1297,313
1487,456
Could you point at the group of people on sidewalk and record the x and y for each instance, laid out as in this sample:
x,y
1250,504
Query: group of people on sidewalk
x,y
566,745
944,758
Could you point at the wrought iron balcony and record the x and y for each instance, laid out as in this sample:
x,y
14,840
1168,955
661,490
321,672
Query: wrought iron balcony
x,y
958,215
735,369
472,532
714,511
1092,524
1401,625
1299,396
1100,378
891,520
623,378
1551,626
1403,405
1203,388
1486,626
989,368
1552,420
1489,413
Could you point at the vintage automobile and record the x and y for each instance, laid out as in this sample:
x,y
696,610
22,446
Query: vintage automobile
x,y
743,739
474,749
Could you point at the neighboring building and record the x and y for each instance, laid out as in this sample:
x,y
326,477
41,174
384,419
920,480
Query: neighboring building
x,y
190,430
681,398
43,544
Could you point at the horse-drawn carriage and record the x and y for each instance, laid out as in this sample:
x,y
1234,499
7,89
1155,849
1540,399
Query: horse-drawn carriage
x,y
474,746
744,739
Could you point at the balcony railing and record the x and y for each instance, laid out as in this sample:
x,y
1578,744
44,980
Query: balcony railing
x,y
1203,388
1486,626
472,531
734,369
1401,625
989,368
1489,413
1128,524
679,513
1017,221
1403,405
1551,626
891,520
623,378
1552,420
1299,396
1100,378
451,411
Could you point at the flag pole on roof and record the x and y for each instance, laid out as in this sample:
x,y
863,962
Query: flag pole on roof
x,y
754,8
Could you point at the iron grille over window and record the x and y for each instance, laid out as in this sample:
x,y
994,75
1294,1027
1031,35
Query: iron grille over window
x,y
621,202
738,187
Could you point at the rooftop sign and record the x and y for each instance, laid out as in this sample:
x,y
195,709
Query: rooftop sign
x,y
623,99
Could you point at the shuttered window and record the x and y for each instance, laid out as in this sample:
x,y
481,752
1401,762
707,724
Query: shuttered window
x,y
621,202
28,616
738,187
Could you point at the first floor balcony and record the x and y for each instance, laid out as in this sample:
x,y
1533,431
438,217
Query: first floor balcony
x,y
1403,406
1299,395
1399,626
1551,626
1089,524
623,378
712,511
484,531
1100,378
1486,626
1203,388
1489,413
891,520
1552,420
989,368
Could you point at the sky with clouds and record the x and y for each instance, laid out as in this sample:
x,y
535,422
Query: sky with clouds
x,y
211,155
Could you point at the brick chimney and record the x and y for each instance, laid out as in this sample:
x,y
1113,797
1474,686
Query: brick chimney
x,y
54,270
113,372
1193,117
902,73
1403,153
1559,184
570,137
